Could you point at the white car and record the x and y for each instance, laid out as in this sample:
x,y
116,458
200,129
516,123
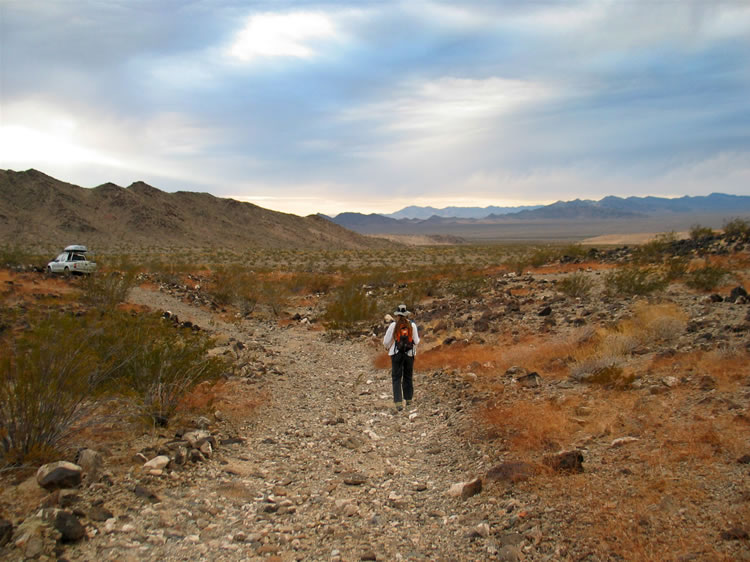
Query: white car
x,y
72,260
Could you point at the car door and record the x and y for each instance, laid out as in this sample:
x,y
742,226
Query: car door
x,y
58,265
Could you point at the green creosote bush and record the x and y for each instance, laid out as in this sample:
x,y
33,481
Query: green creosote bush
x,y
350,304
737,229
632,280
468,287
654,251
48,377
698,232
57,372
705,278
13,255
105,290
159,363
575,285
675,268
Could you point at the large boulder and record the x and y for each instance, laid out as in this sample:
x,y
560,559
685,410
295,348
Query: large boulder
x,y
60,474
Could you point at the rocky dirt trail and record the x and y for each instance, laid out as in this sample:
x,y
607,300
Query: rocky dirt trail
x,y
327,470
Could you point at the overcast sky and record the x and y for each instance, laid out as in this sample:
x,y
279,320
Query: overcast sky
x,y
365,106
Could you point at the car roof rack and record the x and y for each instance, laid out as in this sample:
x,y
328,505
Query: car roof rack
x,y
76,248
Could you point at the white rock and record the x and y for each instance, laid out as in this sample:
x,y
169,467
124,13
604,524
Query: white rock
x,y
483,529
620,441
157,463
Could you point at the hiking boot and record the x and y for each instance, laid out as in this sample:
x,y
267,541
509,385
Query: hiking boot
x,y
408,403
398,405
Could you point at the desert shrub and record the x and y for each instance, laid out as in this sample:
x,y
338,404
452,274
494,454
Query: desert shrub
x,y
106,290
737,229
698,232
577,284
602,360
631,280
531,427
657,322
13,255
605,370
705,278
468,286
542,256
47,383
675,268
654,251
154,362
310,283
350,304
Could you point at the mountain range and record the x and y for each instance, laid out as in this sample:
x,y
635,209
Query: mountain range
x,y
606,211
40,211
415,212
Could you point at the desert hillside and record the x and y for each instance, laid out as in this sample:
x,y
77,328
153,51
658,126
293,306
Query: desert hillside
x,y
40,211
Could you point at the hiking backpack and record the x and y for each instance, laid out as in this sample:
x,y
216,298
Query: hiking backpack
x,y
403,337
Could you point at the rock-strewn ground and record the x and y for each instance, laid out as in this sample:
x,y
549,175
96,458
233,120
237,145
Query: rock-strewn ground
x,y
306,460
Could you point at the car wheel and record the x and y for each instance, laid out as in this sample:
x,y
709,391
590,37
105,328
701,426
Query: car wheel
x,y
49,270
67,272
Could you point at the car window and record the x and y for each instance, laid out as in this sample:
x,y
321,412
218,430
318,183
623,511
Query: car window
x,y
78,257
61,257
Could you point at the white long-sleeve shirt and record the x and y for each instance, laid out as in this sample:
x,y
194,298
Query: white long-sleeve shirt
x,y
390,343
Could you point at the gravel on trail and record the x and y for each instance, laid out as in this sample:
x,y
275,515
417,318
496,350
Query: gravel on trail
x,y
328,470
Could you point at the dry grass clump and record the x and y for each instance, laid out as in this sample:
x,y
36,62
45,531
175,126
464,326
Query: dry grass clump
x,y
530,427
603,359
576,285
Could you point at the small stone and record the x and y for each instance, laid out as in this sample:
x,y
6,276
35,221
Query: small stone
x,y
734,534
532,380
354,479
515,370
196,438
707,382
350,510
60,474
99,513
143,492
91,463
620,441
514,471
202,423
157,463
483,530
566,461
466,489
369,555
744,459
546,311
69,527
206,449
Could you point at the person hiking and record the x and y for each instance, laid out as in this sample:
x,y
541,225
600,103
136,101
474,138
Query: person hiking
x,y
401,340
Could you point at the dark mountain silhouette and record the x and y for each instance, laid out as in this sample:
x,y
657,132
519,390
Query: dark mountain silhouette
x,y
38,210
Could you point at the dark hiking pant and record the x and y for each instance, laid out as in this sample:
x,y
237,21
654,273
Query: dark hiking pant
x,y
402,369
